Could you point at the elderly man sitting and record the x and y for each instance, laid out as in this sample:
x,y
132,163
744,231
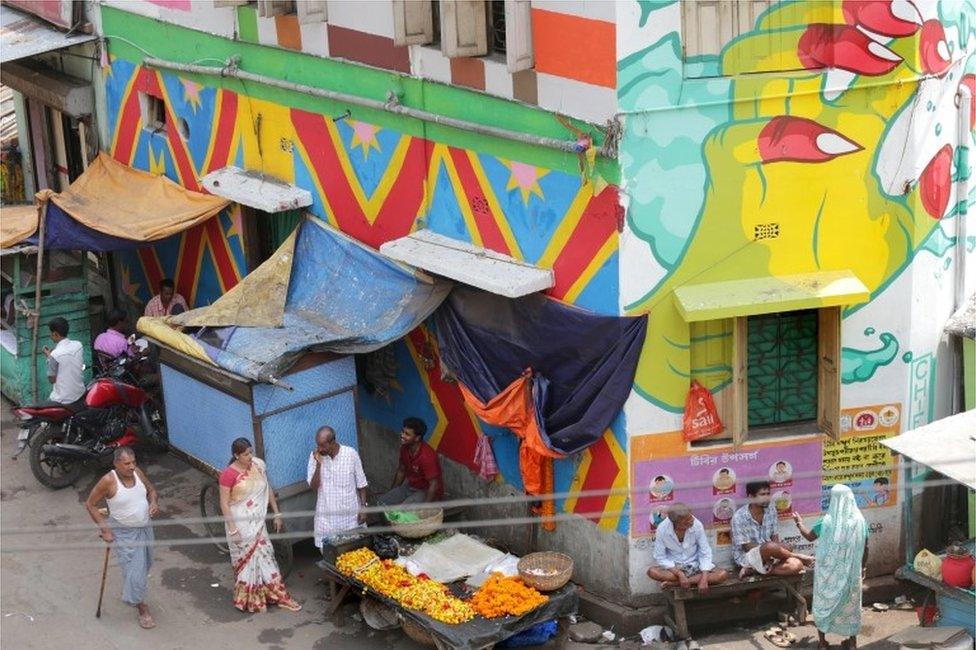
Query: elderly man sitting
x,y
682,554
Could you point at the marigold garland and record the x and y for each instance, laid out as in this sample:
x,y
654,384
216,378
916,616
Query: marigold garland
x,y
393,581
503,596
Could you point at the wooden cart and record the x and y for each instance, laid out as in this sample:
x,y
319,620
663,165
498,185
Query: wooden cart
x,y
207,408
64,292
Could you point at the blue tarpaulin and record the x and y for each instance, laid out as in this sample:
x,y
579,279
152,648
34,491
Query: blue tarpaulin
x,y
342,297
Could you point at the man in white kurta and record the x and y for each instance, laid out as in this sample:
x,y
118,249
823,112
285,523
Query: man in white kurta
x,y
335,473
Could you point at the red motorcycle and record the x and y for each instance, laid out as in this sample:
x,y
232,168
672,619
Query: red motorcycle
x,y
115,414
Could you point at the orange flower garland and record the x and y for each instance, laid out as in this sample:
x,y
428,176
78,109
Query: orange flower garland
x,y
393,581
502,596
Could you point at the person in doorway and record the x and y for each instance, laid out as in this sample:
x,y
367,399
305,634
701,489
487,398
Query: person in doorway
x,y
842,553
113,343
132,502
167,302
756,546
418,477
65,365
335,474
682,554
245,497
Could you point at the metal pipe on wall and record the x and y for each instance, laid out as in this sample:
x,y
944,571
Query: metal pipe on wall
x,y
965,99
230,70
38,276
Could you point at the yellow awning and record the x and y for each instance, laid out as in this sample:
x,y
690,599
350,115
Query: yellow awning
x,y
731,298
17,223
117,200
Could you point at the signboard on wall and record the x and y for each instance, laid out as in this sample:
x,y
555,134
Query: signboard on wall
x,y
711,481
63,13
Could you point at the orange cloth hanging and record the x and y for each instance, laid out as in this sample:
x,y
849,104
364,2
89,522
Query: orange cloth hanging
x,y
514,409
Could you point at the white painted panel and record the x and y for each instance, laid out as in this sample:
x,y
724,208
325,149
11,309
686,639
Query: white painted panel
x,y
430,63
312,11
374,17
315,39
267,31
498,80
587,102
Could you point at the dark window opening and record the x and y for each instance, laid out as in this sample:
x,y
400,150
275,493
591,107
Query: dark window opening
x,y
496,26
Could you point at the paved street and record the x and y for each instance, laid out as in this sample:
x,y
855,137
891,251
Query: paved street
x,y
48,599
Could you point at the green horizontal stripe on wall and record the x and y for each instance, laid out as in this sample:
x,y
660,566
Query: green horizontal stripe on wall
x,y
145,37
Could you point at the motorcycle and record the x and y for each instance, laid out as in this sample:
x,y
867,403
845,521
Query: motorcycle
x,y
116,413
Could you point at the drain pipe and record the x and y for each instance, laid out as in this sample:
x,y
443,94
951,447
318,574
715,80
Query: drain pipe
x,y
965,98
391,106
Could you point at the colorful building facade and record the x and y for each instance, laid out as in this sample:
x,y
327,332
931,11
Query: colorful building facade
x,y
809,138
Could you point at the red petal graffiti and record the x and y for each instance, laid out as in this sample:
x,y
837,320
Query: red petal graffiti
x,y
895,18
844,47
969,81
935,183
934,48
797,139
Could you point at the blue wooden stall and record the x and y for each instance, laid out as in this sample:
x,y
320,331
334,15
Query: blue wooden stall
x,y
207,408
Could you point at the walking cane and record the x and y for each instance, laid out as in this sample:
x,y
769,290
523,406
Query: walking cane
x,y
101,592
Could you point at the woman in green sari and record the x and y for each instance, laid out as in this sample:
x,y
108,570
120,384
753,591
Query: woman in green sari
x,y
841,552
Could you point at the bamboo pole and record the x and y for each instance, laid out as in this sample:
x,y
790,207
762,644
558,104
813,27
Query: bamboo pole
x,y
41,219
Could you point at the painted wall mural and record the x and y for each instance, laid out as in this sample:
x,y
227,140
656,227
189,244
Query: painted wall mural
x,y
850,154
376,184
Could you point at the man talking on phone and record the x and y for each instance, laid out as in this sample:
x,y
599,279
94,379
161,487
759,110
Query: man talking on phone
x,y
335,474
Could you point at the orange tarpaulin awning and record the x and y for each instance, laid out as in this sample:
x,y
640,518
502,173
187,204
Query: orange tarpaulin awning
x,y
119,201
17,223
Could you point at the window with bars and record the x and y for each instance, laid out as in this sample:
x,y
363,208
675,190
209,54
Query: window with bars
x,y
775,374
782,361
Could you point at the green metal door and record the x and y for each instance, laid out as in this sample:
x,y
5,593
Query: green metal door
x,y
782,371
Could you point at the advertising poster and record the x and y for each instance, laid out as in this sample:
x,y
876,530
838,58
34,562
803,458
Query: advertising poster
x,y
713,483
859,460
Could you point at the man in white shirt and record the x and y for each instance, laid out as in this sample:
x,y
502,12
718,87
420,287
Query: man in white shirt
x,y
65,364
336,475
682,554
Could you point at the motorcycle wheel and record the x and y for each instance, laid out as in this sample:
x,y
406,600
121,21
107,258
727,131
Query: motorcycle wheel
x,y
210,510
51,471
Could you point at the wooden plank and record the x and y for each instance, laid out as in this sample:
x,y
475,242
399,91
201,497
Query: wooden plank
x,y
828,372
739,421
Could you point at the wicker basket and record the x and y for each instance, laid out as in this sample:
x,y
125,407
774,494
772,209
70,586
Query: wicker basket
x,y
555,570
430,522
417,633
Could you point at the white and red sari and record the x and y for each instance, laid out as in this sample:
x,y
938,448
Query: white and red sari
x,y
258,581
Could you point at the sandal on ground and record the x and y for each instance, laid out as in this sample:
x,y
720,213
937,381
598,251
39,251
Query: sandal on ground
x,y
146,621
290,605
779,637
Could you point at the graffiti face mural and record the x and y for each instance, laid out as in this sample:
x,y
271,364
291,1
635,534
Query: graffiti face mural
x,y
845,158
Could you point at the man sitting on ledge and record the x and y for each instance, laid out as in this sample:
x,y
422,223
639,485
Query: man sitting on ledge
x,y
755,543
682,553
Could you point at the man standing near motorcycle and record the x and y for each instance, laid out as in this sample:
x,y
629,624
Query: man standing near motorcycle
x,y
131,501
65,364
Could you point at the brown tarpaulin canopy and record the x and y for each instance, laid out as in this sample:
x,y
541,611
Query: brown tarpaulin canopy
x,y
120,201
17,223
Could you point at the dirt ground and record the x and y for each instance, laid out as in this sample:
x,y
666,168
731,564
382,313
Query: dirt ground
x,y
48,598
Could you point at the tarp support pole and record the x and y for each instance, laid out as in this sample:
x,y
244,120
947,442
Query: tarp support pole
x,y
41,218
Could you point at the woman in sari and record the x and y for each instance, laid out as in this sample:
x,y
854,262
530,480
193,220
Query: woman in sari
x,y
842,552
244,499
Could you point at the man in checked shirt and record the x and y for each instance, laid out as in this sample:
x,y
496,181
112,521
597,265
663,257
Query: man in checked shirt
x,y
756,546
335,473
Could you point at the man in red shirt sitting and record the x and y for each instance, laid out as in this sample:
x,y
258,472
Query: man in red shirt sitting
x,y
418,478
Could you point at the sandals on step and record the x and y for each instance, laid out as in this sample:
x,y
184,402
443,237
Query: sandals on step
x,y
146,621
